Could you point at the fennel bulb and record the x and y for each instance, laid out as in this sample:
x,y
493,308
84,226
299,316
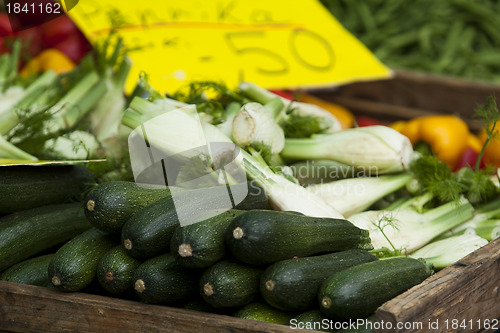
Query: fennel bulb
x,y
379,149
446,252
255,124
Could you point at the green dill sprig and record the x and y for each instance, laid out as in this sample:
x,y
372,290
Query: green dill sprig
x,y
210,97
489,115
435,177
384,222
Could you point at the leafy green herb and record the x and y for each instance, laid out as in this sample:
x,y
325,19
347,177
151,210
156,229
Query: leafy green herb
x,y
479,186
436,178
489,115
210,97
303,126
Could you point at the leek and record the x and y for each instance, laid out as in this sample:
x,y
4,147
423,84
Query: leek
x,y
183,133
354,195
379,149
446,252
407,230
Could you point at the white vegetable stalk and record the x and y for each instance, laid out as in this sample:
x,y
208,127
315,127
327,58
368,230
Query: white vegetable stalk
x,y
488,211
227,126
255,124
10,151
375,148
446,252
263,96
351,196
28,98
285,195
407,230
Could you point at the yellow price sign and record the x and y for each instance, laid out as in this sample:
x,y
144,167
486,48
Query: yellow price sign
x,y
276,44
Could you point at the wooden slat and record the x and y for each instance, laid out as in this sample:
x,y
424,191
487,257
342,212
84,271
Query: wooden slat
x,y
411,94
467,290
26,308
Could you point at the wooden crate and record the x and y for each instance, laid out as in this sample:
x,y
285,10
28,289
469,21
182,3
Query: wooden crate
x,y
409,95
467,291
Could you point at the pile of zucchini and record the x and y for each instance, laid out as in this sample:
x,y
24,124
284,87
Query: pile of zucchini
x,y
125,240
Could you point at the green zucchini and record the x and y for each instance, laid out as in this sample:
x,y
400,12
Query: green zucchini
x,y
358,291
229,284
200,245
109,205
163,280
263,312
293,284
74,265
256,197
27,233
32,271
26,187
312,320
115,271
147,234
262,237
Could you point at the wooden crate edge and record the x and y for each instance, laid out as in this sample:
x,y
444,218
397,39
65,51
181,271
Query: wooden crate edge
x,y
468,290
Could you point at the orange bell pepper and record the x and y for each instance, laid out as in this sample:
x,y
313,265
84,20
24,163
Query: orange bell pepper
x,y
48,59
345,117
491,154
447,135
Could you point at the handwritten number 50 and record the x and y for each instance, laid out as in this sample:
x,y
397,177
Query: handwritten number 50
x,y
281,64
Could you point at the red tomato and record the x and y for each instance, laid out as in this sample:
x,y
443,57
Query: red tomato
x,y
5,27
57,30
363,121
74,47
284,93
469,158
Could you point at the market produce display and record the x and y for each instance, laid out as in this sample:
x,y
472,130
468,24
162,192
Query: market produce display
x,y
338,219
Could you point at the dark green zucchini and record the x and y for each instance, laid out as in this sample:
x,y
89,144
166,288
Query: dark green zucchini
x,y
26,187
27,233
32,271
358,291
262,237
263,312
229,284
312,320
293,284
115,271
74,265
201,244
109,205
163,280
255,199
147,234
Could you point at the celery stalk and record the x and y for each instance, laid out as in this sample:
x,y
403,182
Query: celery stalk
x,y
8,150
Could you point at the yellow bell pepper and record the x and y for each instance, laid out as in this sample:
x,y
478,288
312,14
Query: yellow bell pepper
x,y
48,59
447,135
491,154
345,117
